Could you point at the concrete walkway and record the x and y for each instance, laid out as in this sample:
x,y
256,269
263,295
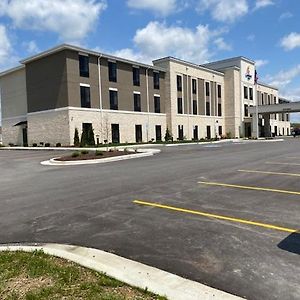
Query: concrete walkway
x,y
130,272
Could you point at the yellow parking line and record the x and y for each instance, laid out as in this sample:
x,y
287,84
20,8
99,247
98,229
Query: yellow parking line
x,y
269,173
219,217
250,188
281,163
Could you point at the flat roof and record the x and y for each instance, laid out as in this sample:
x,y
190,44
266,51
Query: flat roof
x,y
267,85
91,52
187,63
6,72
232,59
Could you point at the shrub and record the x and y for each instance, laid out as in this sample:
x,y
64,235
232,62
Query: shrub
x,y
228,135
76,138
75,154
168,135
99,153
84,152
58,145
47,144
34,145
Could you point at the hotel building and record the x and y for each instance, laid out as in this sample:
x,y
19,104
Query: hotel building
x,y
67,87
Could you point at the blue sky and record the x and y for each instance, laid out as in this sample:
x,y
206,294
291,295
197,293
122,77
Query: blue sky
x,y
200,31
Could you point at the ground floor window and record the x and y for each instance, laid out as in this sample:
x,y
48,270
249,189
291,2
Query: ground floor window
x,y
208,132
158,133
180,132
195,133
220,130
138,133
115,133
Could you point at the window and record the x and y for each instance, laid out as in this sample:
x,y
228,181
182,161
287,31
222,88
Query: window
x,y
269,100
275,99
219,110
112,71
115,133
251,93
156,79
246,110
138,133
157,104
87,128
179,106
195,107
113,99
136,76
194,86
179,83
84,66
220,130
208,132
207,92
219,91
195,133
158,133
207,111
180,132
262,99
245,92
137,102
85,96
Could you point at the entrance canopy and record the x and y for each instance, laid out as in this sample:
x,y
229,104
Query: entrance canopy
x,y
276,108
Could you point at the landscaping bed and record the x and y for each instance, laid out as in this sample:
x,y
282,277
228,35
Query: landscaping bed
x,y
38,276
87,155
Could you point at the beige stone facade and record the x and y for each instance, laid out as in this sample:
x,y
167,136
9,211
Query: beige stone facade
x,y
43,100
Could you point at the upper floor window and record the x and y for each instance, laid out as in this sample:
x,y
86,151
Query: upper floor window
x,y
179,106
179,83
156,79
219,91
219,110
112,71
269,99
207,108
195,108
113,99
84,66
137,102
207,91
157,104
246,110
262,99
245,92
194,86
85,96
136,76
275,100
251,93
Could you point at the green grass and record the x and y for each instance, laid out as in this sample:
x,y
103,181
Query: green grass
x,y
38,276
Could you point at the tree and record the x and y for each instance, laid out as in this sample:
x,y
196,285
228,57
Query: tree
x,y
87,136
91,136
76,138
168,135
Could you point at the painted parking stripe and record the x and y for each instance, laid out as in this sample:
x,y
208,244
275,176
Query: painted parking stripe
x,y
245,187
219,217
269,173
281,163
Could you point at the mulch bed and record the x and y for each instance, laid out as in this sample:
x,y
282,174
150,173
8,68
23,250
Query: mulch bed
x,y
92,155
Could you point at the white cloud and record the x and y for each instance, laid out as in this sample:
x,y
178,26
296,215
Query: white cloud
x,y
263,3
158,40
70,19
31,47
290,41
224,10
286,15
222,45
261,62
163,7
283,78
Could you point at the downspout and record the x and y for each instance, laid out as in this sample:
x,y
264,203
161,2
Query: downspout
x,y
100,96
148,105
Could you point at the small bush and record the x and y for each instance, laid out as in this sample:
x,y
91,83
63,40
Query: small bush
x,y
47,145
75,154
58,145
99,153
84,152
11,144
34,145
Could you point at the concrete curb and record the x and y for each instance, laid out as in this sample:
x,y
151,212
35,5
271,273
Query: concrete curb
x,y
143,153
128,271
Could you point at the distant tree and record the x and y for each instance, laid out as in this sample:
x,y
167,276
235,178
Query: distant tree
x,y
168,135
76,138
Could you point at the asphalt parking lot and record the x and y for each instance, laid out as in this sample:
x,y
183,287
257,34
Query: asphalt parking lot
x,y
224,215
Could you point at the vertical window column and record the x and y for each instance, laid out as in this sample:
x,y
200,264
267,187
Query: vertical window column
x,y
85,95
113,99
